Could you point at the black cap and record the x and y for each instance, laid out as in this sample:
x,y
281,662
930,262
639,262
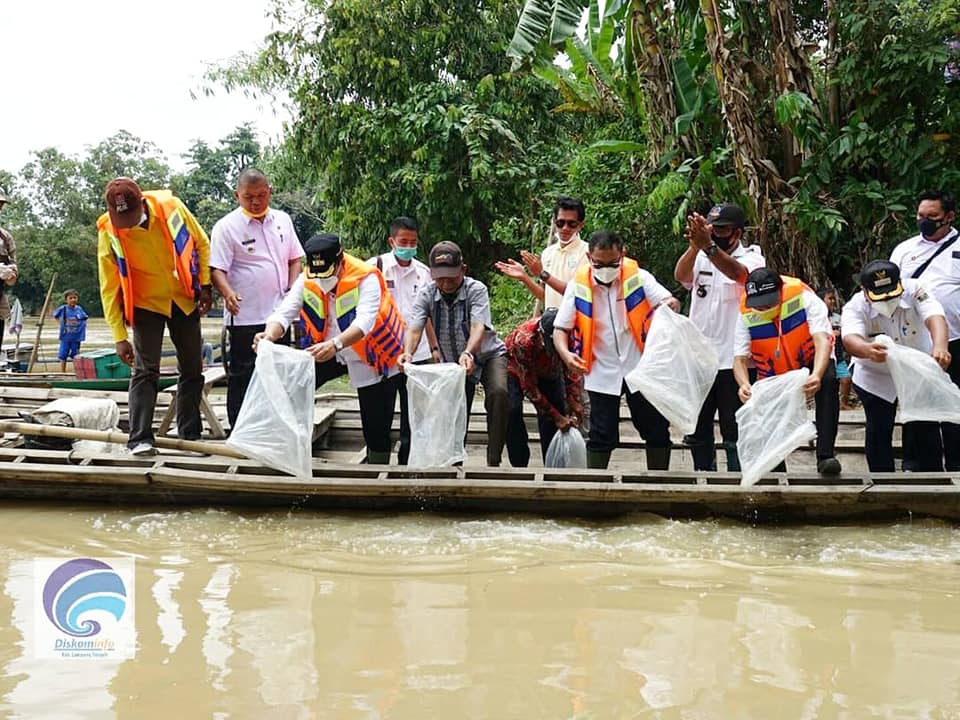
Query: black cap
x,y
763,288
881,280
323,252
727,215
446,260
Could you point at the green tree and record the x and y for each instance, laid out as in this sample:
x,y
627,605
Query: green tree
x,y
410,107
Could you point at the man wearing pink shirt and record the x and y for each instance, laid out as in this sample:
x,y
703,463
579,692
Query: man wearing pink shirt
x,y
255,256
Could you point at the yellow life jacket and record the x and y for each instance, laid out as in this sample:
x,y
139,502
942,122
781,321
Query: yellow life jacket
x,y
383,345
186,262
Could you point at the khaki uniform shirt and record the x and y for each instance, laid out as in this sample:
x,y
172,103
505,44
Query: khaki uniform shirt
x,y
8,256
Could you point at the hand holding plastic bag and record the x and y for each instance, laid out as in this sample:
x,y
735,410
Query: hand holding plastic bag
x,y
924,390
438,414
567,450
773,423
275,424
677,369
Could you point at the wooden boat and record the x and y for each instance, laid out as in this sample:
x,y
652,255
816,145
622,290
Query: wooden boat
x,y
174,479
341,481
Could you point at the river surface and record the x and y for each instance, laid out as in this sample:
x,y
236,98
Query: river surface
x,y
303,615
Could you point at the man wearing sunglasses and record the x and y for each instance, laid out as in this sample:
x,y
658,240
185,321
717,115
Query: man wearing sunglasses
x,y
714,268
600,330
559,261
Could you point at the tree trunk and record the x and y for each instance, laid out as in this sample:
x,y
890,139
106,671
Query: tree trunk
x,y
776,231
833,87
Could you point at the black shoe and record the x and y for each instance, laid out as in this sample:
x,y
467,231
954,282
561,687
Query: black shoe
x,y
829,466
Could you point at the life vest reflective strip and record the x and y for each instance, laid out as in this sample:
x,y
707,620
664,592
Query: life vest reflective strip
x,y
383,345
639,312
186,262
778,347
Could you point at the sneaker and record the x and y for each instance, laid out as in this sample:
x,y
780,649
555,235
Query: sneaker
x,y
829,466
143,449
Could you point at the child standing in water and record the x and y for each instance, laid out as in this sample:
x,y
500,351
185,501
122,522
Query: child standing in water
x,y
73,327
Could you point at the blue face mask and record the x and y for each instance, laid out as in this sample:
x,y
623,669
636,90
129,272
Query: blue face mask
x,y
405,254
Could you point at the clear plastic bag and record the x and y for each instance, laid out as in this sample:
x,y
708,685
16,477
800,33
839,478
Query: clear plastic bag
x,y
438,414
567,450
677,369
773,423
924,390
275,424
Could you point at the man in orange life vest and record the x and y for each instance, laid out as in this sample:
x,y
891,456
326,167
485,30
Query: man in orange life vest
x,y
350,325
784,326
600,330
153,259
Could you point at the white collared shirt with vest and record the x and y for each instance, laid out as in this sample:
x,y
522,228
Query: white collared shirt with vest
x,y
615,352
361,374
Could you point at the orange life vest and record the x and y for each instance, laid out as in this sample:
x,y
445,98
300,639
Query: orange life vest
x,y
639,312
186,262
382,346
785,343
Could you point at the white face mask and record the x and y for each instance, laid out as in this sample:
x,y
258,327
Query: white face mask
x,y
327,284
606,275
886,307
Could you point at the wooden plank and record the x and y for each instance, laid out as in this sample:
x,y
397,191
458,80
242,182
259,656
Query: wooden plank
x,y
211,375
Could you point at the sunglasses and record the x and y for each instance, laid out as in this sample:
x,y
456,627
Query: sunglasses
x,y
566,223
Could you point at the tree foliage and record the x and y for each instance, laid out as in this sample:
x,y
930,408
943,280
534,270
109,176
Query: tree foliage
x,y
409,107
825,119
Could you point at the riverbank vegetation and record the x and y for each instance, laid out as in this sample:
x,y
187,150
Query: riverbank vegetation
x,y
823,118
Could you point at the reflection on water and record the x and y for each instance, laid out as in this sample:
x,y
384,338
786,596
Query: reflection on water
x,y
276,615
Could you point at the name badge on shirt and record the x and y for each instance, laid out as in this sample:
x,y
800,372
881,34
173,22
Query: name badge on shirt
x,y
956,254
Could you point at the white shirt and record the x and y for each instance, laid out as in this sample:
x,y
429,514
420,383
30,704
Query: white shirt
x,y
906,327
614,351
717,313
404,283
361,374
941,278
818,321
562,262
256,257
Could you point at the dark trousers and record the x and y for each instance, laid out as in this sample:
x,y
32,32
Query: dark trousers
x,y
184,330
722,397
518,441
950,431
605,421
826,417
920,440
493,377
242,361
376,404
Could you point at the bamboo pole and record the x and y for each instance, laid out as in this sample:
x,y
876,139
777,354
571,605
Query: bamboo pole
x,y
117,437
43,316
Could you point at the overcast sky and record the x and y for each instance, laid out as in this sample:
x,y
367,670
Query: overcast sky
x,y
73,73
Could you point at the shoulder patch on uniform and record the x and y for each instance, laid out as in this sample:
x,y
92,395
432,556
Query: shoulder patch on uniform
x,y
922,295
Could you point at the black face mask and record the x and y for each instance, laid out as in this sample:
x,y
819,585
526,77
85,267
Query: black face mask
x,y
929,227
724,243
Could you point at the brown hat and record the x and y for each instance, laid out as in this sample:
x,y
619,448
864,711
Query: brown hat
x,y
124,203
446,260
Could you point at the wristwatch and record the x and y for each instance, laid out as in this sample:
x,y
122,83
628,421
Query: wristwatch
x,y
337,343
711,249
544,275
